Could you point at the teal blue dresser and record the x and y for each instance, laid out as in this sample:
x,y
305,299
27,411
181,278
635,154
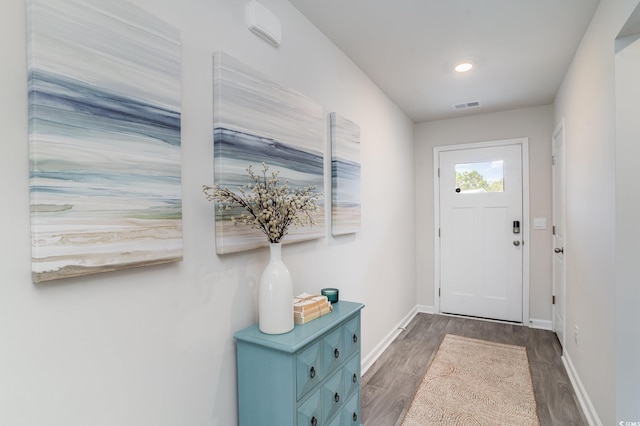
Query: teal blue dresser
x,y
307,377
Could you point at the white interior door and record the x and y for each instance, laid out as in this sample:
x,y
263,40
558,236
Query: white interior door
x,y
481,244
558,235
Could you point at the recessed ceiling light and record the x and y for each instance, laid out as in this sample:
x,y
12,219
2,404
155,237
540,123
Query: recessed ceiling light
x,y
463,67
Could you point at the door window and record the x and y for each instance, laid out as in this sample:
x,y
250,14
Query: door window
x,y
473,178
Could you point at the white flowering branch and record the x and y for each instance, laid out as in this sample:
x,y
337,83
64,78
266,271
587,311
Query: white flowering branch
x,y
269,207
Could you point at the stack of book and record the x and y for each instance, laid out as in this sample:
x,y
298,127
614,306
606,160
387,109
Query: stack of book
x,y
307,307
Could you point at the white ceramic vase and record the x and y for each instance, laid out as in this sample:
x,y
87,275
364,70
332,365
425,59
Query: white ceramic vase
x,y
275,295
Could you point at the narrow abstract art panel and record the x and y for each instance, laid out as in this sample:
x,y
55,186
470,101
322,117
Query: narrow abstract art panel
x,y
345,175
257,120
104,138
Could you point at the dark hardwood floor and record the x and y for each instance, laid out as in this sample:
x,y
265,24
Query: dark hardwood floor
x,y
389,385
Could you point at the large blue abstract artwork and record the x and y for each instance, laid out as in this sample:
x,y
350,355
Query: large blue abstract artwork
x,y
258,120
345,175
104,138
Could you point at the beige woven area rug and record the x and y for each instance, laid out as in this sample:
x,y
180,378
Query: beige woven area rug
x,y
475,382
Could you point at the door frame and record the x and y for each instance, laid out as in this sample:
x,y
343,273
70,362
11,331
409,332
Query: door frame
x,y
554,288
526,242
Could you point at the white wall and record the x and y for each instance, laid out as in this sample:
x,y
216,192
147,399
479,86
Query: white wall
x,y
586,100
533,123
627,65
154,345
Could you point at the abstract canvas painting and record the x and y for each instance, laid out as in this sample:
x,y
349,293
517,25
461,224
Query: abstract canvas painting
x,y
104,138
258,120
345,175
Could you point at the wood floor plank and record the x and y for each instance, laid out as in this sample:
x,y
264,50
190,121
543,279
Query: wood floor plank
x,y
386,405
391,382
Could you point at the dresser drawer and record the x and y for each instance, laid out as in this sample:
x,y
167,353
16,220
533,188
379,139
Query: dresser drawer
x,y
309,371
333,349
310,411
349,414
351,376
351,411
351,336
333,396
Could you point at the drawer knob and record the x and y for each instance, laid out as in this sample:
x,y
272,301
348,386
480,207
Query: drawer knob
x,y
312,372
336,397
354,378
355,416
355,338
336,353
314,421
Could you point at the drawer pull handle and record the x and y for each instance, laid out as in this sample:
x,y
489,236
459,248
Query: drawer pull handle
x,y
355,338
355,417
314,421
312,372
336,397
354,378
336,353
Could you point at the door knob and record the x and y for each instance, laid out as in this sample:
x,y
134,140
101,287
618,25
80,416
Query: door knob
x,y
516,243
559,250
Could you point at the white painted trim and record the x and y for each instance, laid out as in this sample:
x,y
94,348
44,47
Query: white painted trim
x,y
526,231
562,305
583,397
524,143
425,309
372,356
541,324
436,230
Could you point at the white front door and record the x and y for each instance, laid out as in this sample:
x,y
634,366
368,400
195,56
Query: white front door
x,y
558,234
481,228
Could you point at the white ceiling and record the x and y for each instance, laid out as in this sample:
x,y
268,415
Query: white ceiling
x,y
521,49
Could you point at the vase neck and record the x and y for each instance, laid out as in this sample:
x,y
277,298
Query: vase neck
x,y
275,251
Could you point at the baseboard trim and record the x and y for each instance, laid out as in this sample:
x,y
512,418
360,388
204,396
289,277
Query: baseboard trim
x,y
583,397
541,324
426,309
368,361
